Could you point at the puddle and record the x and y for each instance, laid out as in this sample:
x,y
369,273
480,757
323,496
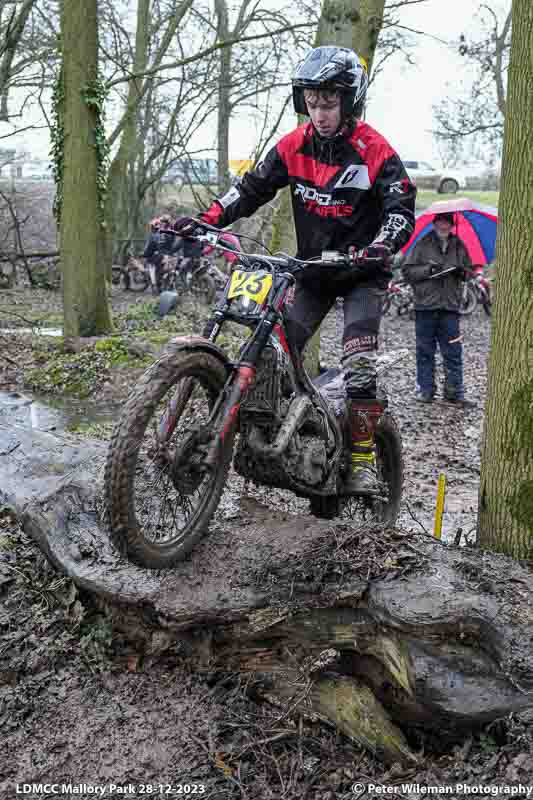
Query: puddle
x,y
53,415
35,331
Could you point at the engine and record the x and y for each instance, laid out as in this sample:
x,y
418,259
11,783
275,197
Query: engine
x,y
304,461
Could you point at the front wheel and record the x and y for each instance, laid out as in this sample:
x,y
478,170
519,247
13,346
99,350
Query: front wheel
x,y
160,490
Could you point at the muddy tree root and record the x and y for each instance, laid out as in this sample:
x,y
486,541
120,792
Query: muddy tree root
x,y
380,633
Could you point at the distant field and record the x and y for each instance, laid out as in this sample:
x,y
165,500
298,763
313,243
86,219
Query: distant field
x,y
424,198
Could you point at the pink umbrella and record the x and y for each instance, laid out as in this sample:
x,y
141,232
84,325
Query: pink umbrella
x,y
475,225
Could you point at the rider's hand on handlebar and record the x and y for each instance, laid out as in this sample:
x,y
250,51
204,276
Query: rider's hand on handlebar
x,y
186,226
375,255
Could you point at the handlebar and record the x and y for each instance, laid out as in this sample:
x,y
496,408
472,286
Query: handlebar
x,y
213,236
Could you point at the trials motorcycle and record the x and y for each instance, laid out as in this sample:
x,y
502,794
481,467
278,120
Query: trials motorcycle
x,y
196,412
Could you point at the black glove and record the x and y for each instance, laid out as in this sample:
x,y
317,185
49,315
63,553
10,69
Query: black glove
x,y
375,255
186,226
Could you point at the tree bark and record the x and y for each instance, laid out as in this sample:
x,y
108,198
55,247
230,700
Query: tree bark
x,y
506,485
85,302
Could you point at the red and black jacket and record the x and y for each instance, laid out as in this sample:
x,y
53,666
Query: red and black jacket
x,y
350,190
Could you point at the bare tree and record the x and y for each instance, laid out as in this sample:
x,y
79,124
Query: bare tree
x,y
474,123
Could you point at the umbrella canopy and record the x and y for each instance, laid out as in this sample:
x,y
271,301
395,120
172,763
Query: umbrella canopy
x,y
475,225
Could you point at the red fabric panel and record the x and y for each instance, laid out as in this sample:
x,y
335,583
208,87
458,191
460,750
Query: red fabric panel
x,y
372,147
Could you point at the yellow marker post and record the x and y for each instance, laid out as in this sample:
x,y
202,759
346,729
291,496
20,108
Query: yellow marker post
x,y
439,508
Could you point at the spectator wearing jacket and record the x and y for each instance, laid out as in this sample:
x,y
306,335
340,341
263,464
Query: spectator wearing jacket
x,y
435,268
189,250
350,192
158,245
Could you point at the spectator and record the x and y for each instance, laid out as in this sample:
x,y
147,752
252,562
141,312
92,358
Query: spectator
x,y
190,252
159,244
435,268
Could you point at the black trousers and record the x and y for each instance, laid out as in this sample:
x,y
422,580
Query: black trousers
x,y
362,317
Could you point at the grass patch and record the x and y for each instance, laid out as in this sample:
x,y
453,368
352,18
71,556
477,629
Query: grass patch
x,y
426,198
92,430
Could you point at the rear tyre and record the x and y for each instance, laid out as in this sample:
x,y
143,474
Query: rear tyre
x,y
385,305
468,300
384,508
325,507
204,289
139,279
160,491
389,461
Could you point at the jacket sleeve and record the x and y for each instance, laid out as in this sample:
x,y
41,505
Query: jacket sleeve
x,y
150,247
255,189
415,268
396,195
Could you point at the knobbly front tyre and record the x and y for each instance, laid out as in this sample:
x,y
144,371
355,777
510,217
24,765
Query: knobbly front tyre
x,y
389,461
160,492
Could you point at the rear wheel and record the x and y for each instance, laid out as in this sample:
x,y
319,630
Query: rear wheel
x,y
385,507
386,304
204,288
139,279
160,491
468,300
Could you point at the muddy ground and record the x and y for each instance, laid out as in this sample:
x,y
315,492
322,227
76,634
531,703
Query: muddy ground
x,y
79,705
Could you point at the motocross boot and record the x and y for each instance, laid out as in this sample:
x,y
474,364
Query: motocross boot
x,y
364,416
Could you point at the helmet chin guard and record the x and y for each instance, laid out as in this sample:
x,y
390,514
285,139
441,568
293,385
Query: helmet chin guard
x,y
335,69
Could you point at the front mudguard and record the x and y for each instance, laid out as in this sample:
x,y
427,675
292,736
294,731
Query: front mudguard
x,y
200,344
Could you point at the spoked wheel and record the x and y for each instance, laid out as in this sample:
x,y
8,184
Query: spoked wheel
x,y
385,506
385,305
139,279
161,491
204,289
468,300
118,276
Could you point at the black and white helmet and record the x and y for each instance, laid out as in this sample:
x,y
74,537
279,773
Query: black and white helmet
x,y
334,68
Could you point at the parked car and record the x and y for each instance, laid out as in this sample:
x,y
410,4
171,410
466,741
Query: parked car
x,y
445,180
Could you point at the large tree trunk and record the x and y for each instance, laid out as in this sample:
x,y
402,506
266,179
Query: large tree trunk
x,y
346,26
506,485
85,302
378,632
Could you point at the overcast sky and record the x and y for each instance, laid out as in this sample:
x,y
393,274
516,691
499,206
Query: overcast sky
x,y
401,101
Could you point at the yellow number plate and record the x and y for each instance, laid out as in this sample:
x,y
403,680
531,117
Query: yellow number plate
x,y
255,285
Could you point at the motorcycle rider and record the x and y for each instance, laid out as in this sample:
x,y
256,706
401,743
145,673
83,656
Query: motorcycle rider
x,y
350,192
